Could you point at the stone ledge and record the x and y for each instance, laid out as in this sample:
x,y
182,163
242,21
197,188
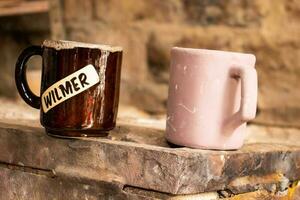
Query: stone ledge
x,y
140,157
18,184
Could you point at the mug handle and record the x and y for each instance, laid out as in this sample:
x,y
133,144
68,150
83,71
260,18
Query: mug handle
x,y
20,76
249,84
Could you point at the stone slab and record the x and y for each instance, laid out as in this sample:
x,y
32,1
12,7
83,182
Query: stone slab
x,y
140,157
17,184
22,183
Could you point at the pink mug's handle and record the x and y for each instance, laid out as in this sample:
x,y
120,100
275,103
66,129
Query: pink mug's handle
x,y
248,76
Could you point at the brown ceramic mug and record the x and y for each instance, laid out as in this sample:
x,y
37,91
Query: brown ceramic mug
x,y
79,88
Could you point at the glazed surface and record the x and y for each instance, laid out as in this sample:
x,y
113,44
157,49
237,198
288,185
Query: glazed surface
x,y
95,109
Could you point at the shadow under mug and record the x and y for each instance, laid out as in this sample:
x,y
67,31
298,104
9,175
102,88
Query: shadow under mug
x,y
79,87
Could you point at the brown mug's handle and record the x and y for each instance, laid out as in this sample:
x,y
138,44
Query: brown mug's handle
x,y
20,76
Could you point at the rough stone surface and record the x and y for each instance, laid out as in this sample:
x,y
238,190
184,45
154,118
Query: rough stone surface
x,y
259,195
150,164
17,33
295,194
147,29
135,162
42,184
16,184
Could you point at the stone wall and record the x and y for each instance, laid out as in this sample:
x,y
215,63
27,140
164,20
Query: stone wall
x,y
17,33
147,29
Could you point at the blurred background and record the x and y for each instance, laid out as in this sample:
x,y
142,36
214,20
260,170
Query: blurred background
x,y
147,29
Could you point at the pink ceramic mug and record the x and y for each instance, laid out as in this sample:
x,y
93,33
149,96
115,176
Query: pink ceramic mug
x,y
212,95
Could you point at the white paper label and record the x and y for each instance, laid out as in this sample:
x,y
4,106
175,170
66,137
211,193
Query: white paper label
x,y
69,86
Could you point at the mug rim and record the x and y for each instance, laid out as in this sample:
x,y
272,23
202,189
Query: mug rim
x,y
68,44
210,51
